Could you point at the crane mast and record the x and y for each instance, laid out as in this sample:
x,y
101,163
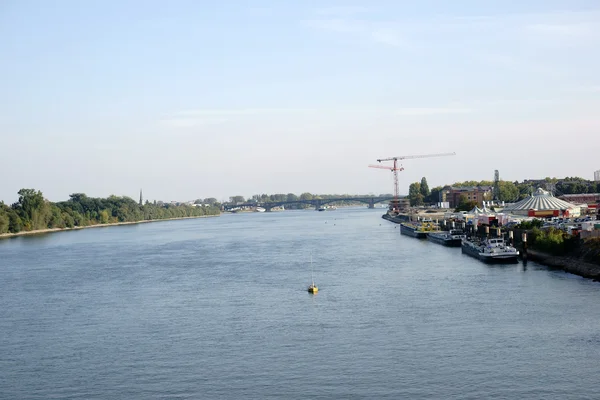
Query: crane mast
x,y
395,170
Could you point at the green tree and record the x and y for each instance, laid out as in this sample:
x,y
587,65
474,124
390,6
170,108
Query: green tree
x,y
464,204
525,190
33,210
4,219
15,224
237,199
424,188
508,191
104,217
291,197
306,196
414,194
434,195
473,183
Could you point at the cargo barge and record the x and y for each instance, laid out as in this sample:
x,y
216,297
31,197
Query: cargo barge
x,y
490,250
418,230
452,238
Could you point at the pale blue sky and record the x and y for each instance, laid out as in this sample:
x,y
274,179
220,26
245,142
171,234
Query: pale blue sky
x,y
189,99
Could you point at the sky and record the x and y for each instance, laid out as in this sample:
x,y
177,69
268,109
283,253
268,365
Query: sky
x,y
195,99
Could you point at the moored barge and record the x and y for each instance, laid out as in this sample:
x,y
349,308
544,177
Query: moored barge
x,y
490,250
452,238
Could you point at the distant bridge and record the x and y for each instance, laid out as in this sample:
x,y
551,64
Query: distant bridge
x,y
317,203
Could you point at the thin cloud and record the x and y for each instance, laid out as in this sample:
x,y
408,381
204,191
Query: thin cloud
x,y
348,10
551,28
197,118
417,111
587,89
337,25
187,123
388,37
576,29
517,64
187,119
238,111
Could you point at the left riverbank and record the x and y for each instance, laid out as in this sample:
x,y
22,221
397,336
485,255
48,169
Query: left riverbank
x,y
75,228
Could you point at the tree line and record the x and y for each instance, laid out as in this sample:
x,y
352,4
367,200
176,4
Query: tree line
x,y
419,193
32,212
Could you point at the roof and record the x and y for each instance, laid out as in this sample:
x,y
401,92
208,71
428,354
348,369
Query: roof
x,y
541,200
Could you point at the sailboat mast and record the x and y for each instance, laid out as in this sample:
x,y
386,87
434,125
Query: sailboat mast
x,y
311,270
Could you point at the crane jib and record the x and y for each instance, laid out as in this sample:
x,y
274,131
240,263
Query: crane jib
x,y
395,169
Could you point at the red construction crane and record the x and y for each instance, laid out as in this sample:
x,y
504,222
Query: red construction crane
x,y
395,169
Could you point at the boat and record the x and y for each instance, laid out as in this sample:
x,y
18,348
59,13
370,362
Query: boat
x,y
452,238
490,250
260,209
327,208
312,288
418,230
395,218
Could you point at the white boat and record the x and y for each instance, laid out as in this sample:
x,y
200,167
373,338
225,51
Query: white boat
x,y
490,250
260,209
327,208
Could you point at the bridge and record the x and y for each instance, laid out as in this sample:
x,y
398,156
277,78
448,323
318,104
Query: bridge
x,y
317,203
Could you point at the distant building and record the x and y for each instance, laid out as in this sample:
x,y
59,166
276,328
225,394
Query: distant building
x,y
478,194
597,176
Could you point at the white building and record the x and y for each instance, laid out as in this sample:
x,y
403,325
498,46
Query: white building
x,y
597,176
542,200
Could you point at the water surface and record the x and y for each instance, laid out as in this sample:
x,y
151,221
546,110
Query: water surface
x,y
217,308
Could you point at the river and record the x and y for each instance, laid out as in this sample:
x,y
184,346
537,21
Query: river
x,y
217,308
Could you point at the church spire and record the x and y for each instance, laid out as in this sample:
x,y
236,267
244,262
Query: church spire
x,y
141,199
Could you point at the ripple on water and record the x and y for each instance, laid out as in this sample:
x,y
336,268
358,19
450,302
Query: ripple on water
x,y
218,308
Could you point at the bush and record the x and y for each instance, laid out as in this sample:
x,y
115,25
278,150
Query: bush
x,y
553,241
534,223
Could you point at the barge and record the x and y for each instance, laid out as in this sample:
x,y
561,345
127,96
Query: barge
x,y
490,250
452,238
418,230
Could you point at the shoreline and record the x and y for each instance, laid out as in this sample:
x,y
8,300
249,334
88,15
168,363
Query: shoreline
x,y
571,265
76,228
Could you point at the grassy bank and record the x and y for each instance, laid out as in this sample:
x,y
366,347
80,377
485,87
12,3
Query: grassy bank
x,y
75,228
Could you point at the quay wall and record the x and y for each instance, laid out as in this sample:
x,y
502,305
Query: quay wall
x,y
571,265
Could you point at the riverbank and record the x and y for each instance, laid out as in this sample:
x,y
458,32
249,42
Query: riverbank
x,y
75,228
568,264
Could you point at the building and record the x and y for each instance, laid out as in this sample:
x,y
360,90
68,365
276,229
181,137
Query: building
x,y
452,195
597,176
589,200
543,204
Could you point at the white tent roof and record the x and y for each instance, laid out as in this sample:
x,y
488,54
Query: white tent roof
x,y
541,200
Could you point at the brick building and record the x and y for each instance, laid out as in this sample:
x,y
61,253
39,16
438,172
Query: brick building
x,y
477,194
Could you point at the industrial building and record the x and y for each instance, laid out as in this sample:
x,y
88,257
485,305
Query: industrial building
x,y
587,200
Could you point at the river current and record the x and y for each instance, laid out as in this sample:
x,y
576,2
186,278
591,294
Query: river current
x,y
217,308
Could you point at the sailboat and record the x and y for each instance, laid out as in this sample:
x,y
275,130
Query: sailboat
x,y
312,288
